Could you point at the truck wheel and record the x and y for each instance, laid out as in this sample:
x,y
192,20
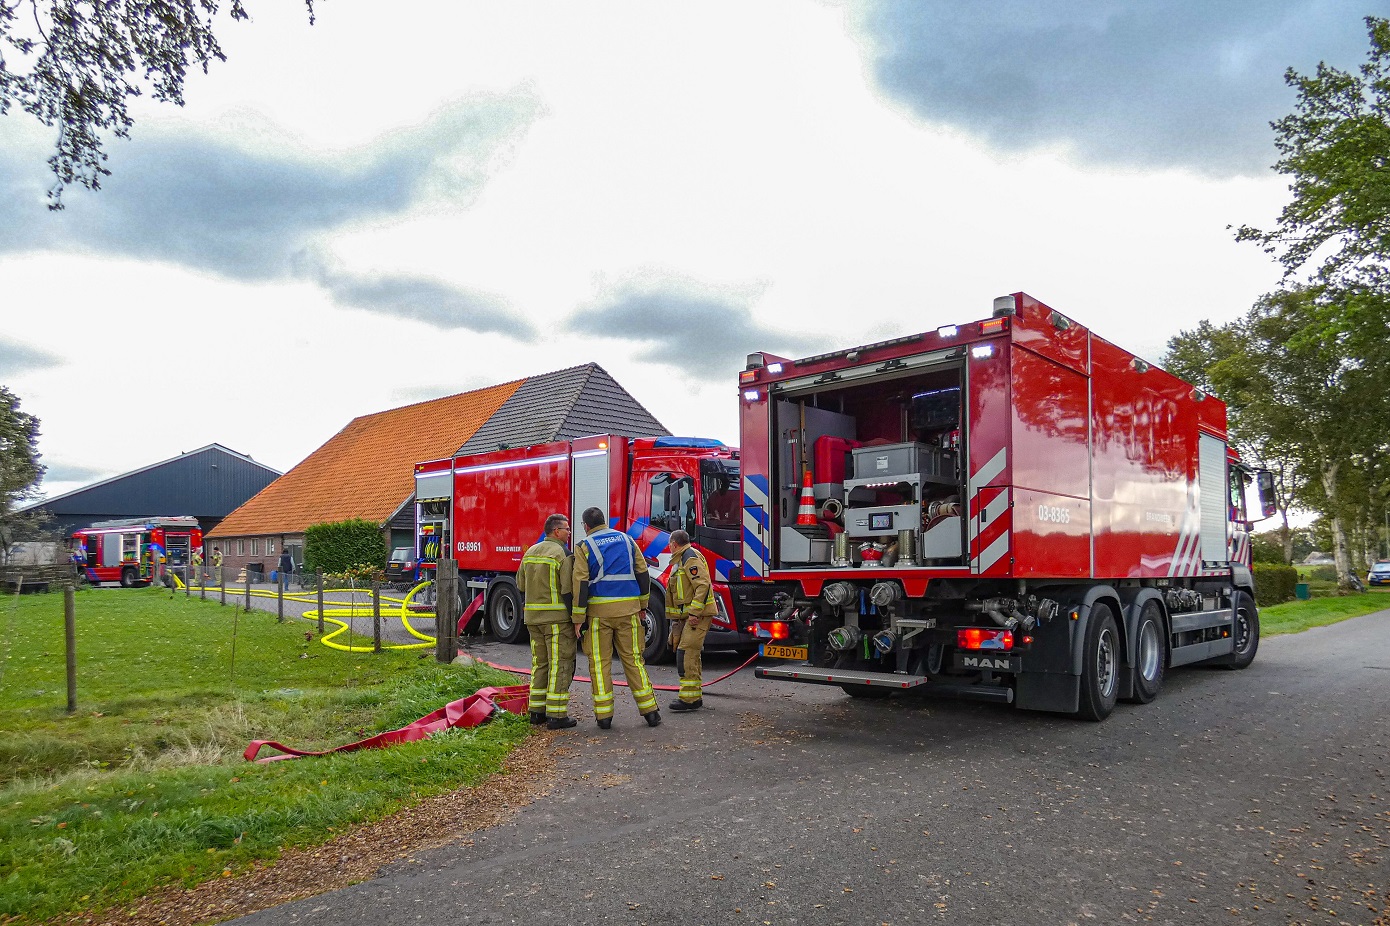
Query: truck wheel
x,y
504,614
1150,654
1100,665
127,578
1246,632
653,619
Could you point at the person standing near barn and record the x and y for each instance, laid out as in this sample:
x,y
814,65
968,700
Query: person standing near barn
x,y
611,586
286,567
544,579
690,608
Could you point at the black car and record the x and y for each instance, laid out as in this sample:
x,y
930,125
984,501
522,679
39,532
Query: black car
x,y
1379,574
401,567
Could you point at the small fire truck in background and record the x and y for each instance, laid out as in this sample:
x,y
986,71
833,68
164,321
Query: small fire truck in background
x,y
125,551
1013,509
486,509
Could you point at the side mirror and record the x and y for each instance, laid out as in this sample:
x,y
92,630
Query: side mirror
x,y
1264,481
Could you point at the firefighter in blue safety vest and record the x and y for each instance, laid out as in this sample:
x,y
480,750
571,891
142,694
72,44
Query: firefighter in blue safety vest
x,y
544,579
690,608
611,585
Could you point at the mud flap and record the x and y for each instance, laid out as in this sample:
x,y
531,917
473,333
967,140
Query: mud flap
x,y
1046,691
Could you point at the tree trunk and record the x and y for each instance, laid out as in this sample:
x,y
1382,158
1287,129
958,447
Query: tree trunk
x,y
1339,534
1286,538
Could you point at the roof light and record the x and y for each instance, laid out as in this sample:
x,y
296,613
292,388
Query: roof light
x,y
1003,305
603,445
774,368
947,331
1139,366
994,326
982,351
750,395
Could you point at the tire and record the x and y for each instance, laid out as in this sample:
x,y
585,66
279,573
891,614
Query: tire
x,y
1150,654
127,578
658,647
1246,632
504,614
1100,665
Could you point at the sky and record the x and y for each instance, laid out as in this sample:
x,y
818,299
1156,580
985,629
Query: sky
x,y
388,207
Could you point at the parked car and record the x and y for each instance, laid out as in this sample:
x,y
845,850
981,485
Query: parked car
x,y
400,568
1379,574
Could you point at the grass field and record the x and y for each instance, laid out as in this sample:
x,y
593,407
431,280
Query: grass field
x,y
145,786
1293,616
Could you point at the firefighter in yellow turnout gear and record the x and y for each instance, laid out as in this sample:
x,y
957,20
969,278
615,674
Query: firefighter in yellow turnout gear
x,y
544,580
611,587
690,608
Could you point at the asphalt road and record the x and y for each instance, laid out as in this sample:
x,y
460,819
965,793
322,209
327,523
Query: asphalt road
x,y
1238,797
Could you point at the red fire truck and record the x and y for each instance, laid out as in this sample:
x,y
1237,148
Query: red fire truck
x,y
1013,509
485,509
130,551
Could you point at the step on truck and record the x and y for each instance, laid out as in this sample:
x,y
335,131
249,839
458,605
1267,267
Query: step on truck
x,y
486,509
1012,510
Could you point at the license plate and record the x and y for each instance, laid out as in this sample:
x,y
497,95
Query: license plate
x,y
784,652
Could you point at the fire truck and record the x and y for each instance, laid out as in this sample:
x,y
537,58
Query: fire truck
x,y
1013,510
486,509
129,551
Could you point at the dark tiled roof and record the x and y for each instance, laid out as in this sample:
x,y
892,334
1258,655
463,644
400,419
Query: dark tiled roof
x,y
569,403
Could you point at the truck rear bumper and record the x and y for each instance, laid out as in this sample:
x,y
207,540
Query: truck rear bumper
x,y
887,680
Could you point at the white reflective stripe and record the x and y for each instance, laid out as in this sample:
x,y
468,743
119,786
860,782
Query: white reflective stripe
x,y
987,472
993,552
630,574
997,507
490,466
590,453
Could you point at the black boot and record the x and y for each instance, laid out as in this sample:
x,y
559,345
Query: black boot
x,y
605,723
653,719
560,723
538,717
682,706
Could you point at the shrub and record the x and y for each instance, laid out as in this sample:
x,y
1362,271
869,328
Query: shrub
x,y
1274,584
339,546
1323,574
360,574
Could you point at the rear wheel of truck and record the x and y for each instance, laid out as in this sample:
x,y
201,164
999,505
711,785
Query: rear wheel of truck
x,y
504,613
1100,665
1246,632
1150,654
657,629
127,578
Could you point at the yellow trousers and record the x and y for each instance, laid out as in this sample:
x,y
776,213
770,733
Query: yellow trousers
x,y
625,634
552,667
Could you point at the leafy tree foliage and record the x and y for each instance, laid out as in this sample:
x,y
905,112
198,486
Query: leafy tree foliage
x,y
75,64
20,470
1335,147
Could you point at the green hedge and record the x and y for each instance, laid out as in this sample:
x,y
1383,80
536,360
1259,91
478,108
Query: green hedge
x,y
1274,584
1323,574
340,545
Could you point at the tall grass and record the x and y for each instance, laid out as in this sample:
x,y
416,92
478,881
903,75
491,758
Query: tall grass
x,y
145,785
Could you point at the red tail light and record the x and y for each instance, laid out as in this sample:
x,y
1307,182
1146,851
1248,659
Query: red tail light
x,y
771,630
980,638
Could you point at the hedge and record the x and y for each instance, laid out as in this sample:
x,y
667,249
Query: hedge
x,y
339,545
1274,584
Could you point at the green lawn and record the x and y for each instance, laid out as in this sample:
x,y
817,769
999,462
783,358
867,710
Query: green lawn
x,y
145,786
1293,616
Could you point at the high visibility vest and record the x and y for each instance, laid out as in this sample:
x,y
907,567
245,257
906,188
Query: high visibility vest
x,y
540,577
612,569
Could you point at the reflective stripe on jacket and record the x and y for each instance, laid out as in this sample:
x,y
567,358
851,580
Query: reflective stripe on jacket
x,y
691,591
543,581
606,565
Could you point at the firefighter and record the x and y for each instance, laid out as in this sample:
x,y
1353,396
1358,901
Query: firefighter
x,y
198,564
217,562
611,585
690,608
544,579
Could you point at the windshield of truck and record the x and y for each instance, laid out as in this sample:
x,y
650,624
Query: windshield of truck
x,y
719,493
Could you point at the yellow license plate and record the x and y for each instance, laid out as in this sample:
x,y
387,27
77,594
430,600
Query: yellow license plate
x,y
784,652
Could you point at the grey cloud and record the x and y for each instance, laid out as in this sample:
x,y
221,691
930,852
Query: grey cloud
x,y
428,301
250,215
703,331
1166,83
65,472
16,358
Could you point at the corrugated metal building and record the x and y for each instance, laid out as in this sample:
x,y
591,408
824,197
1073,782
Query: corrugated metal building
x,y
208,484
367,471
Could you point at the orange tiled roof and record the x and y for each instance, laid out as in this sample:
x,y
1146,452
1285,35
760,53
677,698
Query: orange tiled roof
x,y
366,469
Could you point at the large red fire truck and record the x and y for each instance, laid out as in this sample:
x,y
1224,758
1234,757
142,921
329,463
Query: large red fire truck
x,y
485,509
1014,510
130,551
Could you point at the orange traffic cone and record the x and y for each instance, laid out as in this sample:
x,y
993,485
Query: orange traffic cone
x,y
806,513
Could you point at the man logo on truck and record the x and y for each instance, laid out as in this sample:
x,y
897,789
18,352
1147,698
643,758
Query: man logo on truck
x,y
984,662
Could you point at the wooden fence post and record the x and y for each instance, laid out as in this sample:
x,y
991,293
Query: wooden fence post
x,y
279,598
247,606
446,588
376,616
318,581
222,583
70,639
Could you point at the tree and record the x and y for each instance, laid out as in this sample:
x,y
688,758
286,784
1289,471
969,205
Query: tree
x,y
20,470
1335,147
87,58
